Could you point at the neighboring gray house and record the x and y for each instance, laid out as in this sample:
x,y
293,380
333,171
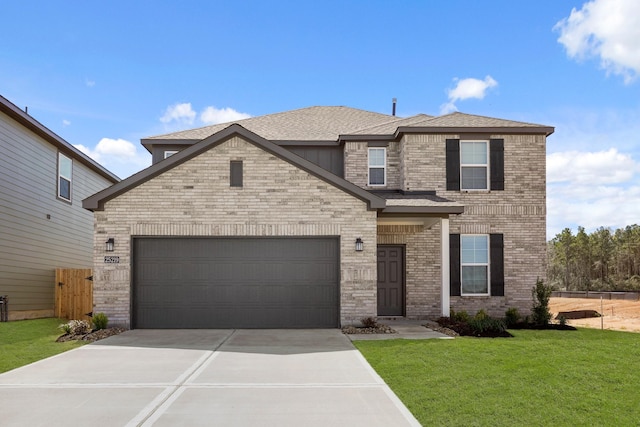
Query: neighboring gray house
x,y
322,216
43,180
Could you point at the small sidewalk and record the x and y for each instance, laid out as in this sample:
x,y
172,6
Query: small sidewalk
x,y
406,329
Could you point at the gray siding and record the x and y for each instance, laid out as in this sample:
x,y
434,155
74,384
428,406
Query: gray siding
x,y
157,152
328,158
31,245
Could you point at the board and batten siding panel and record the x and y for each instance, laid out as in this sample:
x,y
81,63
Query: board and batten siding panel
x,y
32,245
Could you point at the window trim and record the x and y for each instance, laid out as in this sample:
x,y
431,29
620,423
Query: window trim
x,y
369,167
487,264
471,165
61,176
169,153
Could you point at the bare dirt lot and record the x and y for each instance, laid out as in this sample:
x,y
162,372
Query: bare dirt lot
x,y
619,315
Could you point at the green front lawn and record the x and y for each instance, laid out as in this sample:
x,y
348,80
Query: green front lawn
x,y
538,378
26,341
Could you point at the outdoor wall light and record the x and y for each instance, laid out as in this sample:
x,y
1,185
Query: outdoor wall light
x,y
359,245
109,244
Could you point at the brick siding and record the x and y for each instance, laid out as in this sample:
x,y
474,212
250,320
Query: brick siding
x,y
195,199
518,212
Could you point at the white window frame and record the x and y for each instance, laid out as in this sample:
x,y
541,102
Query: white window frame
x,y
169,153
370,166
469,165
475,264
62,175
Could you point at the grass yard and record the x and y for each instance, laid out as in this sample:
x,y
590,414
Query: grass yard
x,y
538,378
26,341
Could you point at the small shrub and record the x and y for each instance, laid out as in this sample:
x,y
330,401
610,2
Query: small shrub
x,y
540,313
511,317
65,327
100,321
481,315
562,320
460,316
486,325
369,322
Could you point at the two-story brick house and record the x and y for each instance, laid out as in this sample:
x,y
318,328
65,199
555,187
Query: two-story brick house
x,y
322,216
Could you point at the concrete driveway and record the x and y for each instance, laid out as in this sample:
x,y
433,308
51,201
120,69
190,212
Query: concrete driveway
x,y
204,377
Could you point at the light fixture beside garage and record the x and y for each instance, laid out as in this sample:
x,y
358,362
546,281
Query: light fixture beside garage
x,y
359,245
110,243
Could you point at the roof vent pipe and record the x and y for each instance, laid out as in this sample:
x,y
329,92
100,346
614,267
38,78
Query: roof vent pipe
x,y
393,110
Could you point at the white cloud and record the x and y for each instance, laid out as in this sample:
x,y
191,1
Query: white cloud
x,y
180,113
608,29
89,83
65,122
213,115
591,189
467,89
118,155
590,168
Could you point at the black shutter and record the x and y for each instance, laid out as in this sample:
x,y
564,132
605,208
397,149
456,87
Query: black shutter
x,y
496,157
454,265
453,164
236,173
497,265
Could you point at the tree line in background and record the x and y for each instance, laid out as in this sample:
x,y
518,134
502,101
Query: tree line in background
x,y
599,261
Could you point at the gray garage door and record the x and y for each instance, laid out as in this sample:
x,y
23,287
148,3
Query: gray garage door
x,y
235,283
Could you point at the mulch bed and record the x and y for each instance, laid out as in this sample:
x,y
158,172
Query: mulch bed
x,y
91,336
377,329
464,330
553,326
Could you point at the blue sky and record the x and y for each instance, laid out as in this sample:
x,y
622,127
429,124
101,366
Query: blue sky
x,y
103,75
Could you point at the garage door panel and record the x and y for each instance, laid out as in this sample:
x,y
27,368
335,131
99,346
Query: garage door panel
x,y
236,282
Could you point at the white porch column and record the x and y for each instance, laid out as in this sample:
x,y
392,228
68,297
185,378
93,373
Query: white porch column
x,y
444,253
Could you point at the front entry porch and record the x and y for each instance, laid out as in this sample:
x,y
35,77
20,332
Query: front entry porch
x,y
413,254
413,267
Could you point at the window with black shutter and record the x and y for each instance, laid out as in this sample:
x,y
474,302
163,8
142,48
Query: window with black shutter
x,y
468,168
476,264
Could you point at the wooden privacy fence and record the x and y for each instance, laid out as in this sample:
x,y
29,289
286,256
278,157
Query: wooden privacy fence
x,y
74,293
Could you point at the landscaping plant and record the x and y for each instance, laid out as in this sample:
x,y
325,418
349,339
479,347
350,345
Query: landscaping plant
x,y
100,321
480,325
511,317
540,314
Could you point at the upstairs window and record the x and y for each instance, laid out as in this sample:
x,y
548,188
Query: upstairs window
x,y
474,166
377,166
169,153
235,173
65,173
474,261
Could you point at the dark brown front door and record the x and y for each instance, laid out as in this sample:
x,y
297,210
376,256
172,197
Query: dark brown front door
x,y
390,280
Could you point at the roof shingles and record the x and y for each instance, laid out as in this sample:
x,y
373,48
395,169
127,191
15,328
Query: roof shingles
x,y
305,124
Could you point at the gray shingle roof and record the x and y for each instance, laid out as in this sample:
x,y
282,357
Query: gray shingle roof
x,y
305,124
458,119
328,123
391,126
